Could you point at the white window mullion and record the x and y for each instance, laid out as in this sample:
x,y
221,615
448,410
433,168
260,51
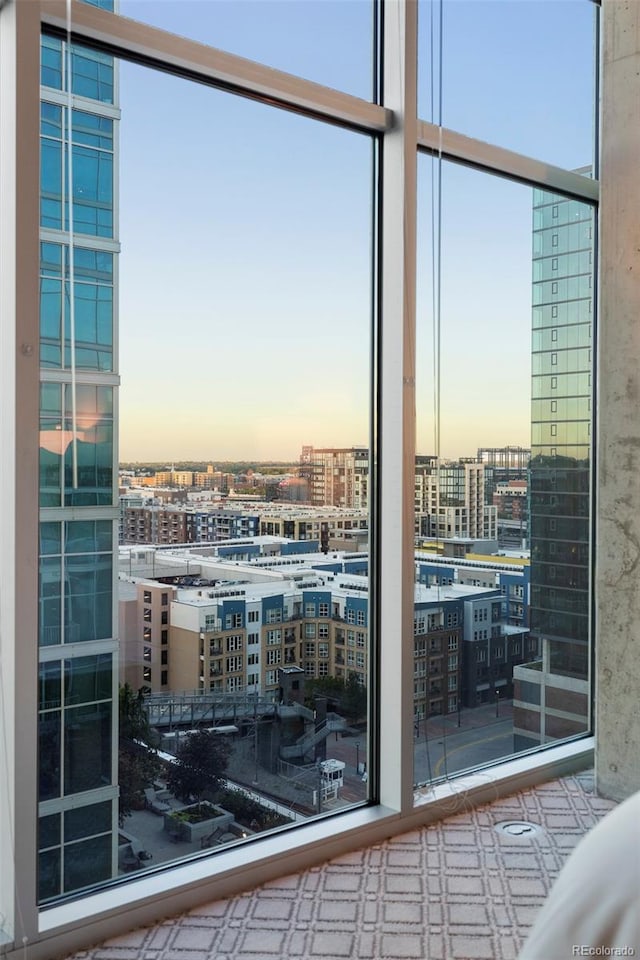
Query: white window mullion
x,y
397,413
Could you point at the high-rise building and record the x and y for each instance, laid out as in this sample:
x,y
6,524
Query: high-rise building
x,y
553,699
450,500
339,477
78,787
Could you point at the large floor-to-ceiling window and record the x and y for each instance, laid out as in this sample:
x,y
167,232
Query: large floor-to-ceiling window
x,y
283,429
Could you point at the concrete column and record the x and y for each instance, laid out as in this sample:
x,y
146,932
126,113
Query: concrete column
x,y
617,586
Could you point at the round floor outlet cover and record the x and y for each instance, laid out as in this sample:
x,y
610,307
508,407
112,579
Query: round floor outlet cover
x,y
518,829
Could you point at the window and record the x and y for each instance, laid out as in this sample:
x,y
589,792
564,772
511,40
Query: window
x,y
274,636
81,171
253,616
310,631
146,596
323,609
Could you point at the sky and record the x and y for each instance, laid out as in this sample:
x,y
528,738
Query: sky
x,y
245,271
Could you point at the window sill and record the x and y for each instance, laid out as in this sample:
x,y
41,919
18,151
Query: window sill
x,y
70,926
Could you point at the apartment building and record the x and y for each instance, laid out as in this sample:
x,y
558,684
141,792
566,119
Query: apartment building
x,y
450,500
235,637
511,576
144,634
170,524
338,476
553,699
491,650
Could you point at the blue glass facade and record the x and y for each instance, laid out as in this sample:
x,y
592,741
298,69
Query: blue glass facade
x,y
77,837
561,429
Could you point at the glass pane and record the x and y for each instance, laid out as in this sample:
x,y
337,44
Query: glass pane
x,y
245,305
502,476
87,747
329,42
517,73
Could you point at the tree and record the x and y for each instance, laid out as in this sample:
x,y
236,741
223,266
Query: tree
x,y
134,720
201,763
138,763
347,697
355,701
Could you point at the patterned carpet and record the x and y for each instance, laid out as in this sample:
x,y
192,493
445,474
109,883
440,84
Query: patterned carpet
x,y
456,890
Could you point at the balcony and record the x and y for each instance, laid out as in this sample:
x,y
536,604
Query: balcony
x,y
383,902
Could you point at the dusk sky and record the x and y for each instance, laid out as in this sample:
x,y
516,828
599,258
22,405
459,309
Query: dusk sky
x,y
245,268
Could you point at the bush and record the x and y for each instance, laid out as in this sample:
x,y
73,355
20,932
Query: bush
x,y
249,812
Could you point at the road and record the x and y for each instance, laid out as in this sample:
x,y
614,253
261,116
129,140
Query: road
x,y
440,750
453,750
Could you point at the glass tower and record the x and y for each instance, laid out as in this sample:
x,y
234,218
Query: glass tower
x,y
78,808
554,698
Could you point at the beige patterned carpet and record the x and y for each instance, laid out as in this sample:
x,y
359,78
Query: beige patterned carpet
x,y
456,890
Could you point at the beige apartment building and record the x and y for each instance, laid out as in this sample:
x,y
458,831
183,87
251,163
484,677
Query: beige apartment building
x,y
234,639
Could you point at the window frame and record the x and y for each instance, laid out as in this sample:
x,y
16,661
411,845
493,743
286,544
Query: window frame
x,y
70,925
